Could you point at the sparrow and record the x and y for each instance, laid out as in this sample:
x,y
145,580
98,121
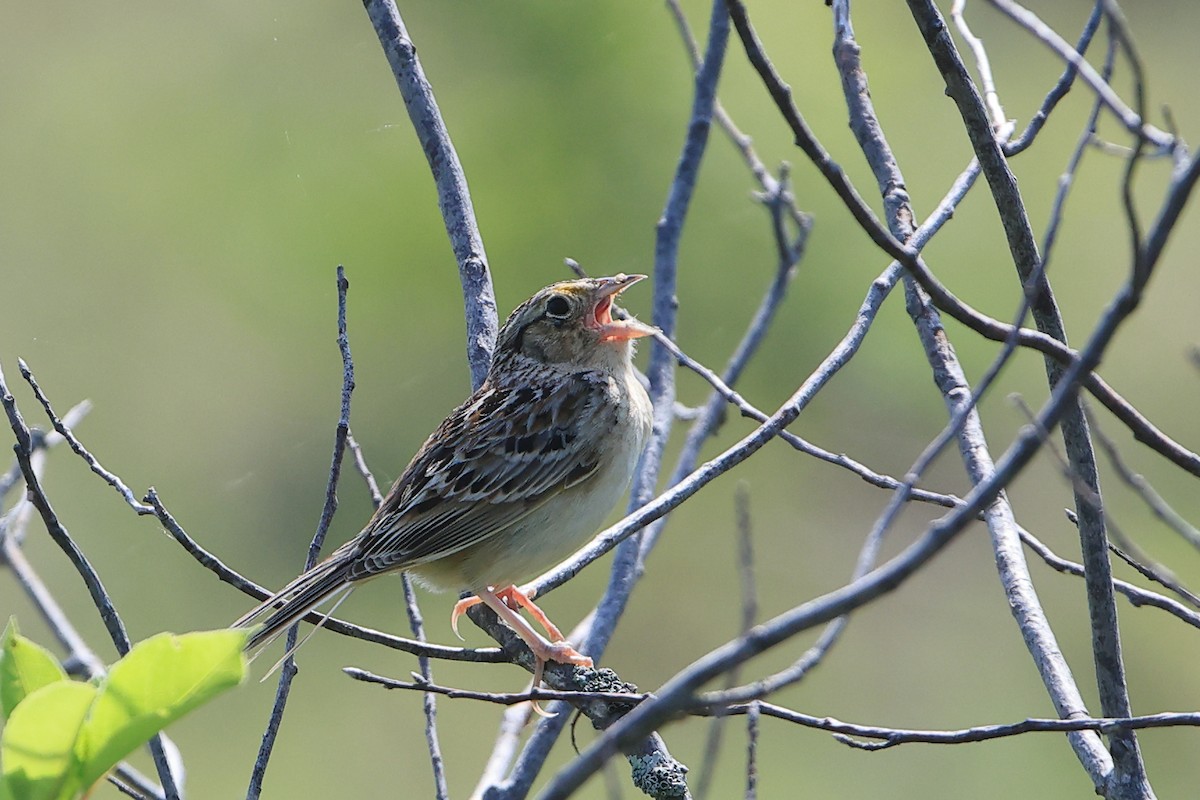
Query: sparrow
x,y
514,480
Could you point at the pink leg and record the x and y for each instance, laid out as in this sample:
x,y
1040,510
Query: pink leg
x,y
542,649
520,598
515,599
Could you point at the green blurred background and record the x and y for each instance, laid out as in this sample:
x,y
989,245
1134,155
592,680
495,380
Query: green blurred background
x,y
179,182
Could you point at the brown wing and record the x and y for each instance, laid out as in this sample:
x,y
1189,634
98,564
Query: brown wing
x,y
495,459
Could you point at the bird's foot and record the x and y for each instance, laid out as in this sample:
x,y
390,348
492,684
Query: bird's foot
x,y
505,603
515,599
560,651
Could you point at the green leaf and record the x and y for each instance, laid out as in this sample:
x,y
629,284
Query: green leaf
x,y
156,683
25,667
64,736
37,747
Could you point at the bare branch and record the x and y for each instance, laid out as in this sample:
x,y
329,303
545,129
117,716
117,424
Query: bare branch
x,y
1129,778
428,704
134,783
417,626
770,185
945,301
1153,500
1135,595
419,684
454,198
80,659
1067,179
710,417
749,597
1132,121
360,464
1150,570
654,770
91,579
65,432
252,589
960,401
1060,89
843,731
983,64
288,671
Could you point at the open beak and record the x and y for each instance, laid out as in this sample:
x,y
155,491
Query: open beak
x,y
612,330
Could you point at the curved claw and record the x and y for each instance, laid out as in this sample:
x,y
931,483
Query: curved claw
x,y
562,652
459,609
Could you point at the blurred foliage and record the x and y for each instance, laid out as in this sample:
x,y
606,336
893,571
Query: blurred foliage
x,y
180,181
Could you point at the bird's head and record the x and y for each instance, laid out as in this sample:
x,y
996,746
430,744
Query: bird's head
x,y
571,323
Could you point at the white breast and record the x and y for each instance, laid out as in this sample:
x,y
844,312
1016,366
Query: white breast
x,y
567,521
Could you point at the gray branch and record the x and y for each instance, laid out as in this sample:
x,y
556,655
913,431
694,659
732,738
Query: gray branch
x,y
1129,778
960,402
454,199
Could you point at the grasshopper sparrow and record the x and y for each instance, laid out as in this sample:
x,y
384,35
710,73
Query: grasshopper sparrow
x,y
514,480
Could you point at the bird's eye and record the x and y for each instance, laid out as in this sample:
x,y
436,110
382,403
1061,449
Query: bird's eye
x,y
558,307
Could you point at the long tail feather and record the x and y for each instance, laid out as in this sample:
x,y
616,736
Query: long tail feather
x,y
279,611
292,650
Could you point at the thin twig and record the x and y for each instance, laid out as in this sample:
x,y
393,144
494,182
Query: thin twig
x,y
960,398
1131,120
990,96
126,789
1060,89
1067,179
1128,773
1119,544
417,625
288,670
843,731
1119,36
752,714
360,464
1153,500
428,704
749,596
789,254
419,684
91,579
669,230
131,780
1136,595
982,324
743,143
80,659
252,589
64,431
1149,569
41,442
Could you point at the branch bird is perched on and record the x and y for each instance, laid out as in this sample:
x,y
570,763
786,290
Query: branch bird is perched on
x,y
514,480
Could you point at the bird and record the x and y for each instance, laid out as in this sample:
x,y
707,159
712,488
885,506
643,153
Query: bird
x,y
514,480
